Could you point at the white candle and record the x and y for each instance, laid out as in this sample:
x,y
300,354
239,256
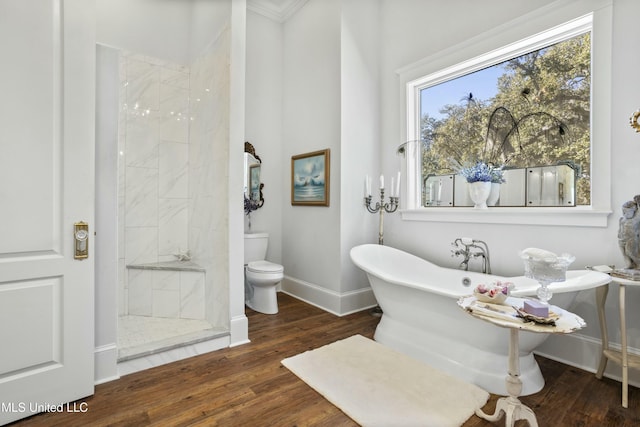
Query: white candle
x,y
381,182
440,191
431,191
393,186
398,186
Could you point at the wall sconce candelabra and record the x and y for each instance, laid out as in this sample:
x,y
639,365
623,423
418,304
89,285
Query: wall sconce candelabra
x,y
381,207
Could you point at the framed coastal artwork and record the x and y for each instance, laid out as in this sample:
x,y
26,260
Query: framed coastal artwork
x,y
310,178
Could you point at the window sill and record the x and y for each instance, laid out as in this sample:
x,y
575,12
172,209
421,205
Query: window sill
x,y
579,216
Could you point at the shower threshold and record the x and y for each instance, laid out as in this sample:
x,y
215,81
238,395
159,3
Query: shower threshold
x,y
140,336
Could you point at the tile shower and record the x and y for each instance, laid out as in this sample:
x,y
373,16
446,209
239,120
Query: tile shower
x,y
172,173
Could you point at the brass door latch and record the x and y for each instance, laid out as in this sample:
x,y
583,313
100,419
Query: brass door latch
x,y
81,238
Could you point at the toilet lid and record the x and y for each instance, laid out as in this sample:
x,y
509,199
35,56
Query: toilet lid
x,y
264,267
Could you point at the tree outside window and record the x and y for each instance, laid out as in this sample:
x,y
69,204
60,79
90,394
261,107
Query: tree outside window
x,y
533,110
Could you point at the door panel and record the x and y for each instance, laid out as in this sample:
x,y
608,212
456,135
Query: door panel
x,y
29,110
35,300
46,184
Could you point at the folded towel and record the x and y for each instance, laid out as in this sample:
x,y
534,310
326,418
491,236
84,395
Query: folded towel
x,y
540,254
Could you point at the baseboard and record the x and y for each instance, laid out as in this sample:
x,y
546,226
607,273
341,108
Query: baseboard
x,y
583,352
340,304
239,331
105,359
107,368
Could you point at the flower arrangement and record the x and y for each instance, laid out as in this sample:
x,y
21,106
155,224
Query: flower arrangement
x,y
249,206
479,172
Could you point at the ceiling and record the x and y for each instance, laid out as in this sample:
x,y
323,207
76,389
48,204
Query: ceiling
x,y
278,10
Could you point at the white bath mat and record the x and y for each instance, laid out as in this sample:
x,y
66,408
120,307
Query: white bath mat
x,y
377,386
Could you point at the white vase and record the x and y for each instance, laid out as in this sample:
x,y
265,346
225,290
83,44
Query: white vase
x,y
494,195
479,192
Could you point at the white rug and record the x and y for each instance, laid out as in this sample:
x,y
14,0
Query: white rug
x,y
377,386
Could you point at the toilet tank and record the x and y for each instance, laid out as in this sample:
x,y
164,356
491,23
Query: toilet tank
x,y
255,246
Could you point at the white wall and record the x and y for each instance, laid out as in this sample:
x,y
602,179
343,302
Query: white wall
x,y
174,30
239,326
330,100
263,125
152,27
207,19
360,135
106,245
312,117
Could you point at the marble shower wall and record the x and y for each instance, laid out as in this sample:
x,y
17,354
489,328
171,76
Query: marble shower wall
x,y
173,178
154,156
208,186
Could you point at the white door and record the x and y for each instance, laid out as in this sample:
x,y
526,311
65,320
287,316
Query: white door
x,y
47,52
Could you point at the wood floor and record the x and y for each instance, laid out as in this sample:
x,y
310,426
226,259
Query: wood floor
x,y
247,386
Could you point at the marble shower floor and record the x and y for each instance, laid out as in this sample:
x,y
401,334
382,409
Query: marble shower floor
x,y
140,336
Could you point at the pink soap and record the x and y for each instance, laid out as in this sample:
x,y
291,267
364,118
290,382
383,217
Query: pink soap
x,y
536,308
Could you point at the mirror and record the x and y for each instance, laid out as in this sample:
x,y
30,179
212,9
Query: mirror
x,y
537,186
253,196
551,186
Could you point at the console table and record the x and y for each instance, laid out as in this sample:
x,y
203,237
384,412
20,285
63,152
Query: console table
x,y
511,406
620,357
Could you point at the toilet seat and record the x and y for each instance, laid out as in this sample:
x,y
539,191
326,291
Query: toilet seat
x,y
264,267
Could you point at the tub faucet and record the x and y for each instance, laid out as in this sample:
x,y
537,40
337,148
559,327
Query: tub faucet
x,y
469,248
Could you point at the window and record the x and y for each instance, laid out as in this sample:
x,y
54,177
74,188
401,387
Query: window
x,y
521,116
537,112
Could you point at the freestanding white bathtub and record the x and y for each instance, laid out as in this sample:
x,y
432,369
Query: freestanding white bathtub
x,y
421,317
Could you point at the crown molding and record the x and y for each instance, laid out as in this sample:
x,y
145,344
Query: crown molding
x,y
277,10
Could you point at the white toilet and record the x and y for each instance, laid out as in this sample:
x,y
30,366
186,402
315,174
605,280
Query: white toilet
x,y
260,277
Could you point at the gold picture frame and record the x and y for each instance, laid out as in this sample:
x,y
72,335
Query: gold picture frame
x,y
310,174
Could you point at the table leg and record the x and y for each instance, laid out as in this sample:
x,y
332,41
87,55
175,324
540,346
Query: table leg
x,y
623,343
601,299
511,405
